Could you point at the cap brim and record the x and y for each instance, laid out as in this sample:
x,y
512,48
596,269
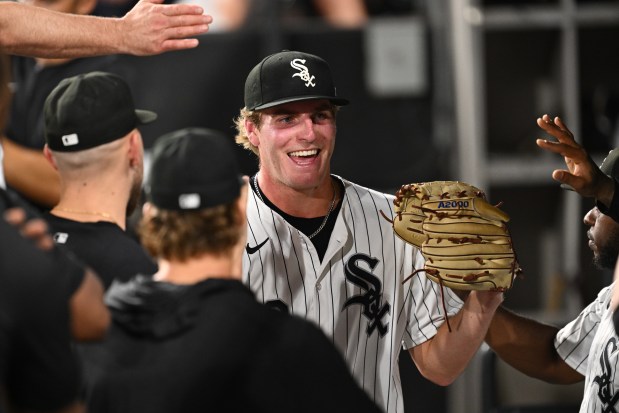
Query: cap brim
x,y
145,116
335,100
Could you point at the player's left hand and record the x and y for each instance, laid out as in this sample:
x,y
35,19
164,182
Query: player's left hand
x,y
151,28
582,174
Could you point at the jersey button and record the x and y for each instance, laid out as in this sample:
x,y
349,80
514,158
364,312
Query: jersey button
x,y
318,286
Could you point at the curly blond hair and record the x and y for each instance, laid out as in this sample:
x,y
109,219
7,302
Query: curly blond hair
x,y
241,137
182,235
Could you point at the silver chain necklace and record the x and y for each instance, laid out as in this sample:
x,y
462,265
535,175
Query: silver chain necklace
x,y
326,218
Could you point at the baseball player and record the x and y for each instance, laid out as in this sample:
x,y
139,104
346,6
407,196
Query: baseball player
x,y
91,130
318,246
38,367
588,346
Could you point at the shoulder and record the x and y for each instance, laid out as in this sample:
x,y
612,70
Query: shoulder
x,y
364,194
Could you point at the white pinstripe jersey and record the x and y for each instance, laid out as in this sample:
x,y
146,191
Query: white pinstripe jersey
x,y
355,294
590,345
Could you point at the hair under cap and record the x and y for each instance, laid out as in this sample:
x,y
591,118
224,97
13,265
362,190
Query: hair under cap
x,y
193,168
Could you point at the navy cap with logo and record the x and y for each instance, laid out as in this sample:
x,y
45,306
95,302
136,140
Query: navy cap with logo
x,y
89,110
193,168
289,76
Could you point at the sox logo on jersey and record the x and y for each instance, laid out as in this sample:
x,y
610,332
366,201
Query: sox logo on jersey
x,y
371,300
606,392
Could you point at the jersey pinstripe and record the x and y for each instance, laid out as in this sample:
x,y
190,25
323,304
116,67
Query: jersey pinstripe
x,y
590,345
355,294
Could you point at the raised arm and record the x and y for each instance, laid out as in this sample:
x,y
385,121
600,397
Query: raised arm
x,y
149,28
528,346
582,174
445,356
90,317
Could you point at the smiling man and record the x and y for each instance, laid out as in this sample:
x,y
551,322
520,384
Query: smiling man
x,y
319,248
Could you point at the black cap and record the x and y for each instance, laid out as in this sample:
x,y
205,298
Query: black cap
x,y
89,110
193,168
289,76
609,166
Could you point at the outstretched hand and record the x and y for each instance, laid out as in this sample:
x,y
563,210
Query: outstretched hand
x,y
151,28
582,174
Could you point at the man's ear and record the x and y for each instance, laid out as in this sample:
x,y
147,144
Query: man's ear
x,y
252,132
148,209
136,147
49,156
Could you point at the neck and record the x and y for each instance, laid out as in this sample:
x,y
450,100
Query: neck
x,y
198,269
90,203
302,203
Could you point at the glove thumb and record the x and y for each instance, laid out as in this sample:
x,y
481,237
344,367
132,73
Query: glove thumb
x,y
488,211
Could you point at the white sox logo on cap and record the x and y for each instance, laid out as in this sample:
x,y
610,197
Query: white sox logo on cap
x,y
303,72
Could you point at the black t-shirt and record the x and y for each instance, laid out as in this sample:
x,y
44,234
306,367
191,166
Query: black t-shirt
x,y
38,369
104,247
211,347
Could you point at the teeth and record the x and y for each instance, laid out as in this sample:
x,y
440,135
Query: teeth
x,y
313,152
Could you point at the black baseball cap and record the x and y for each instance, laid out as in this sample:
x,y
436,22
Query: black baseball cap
x,y
289,76
609,166
193,168
89,110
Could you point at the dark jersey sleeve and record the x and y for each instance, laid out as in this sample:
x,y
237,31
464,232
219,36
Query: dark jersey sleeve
x,y
39,369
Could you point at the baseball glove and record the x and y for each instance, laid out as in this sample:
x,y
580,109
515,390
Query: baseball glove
x,y
463,238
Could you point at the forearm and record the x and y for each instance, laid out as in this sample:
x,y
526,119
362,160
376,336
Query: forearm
x,y
90,318
528,346
443,358
29,173
149,28
46,33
